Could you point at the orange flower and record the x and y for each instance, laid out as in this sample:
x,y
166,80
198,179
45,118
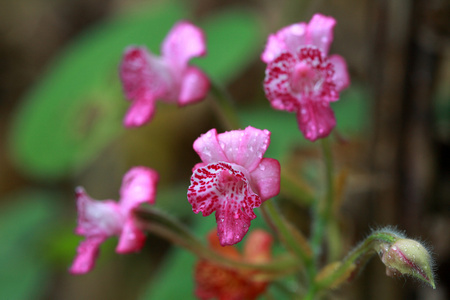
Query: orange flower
x,y
214,281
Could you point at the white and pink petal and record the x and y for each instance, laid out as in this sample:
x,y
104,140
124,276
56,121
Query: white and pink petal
x,y
245,147
208,148
97,217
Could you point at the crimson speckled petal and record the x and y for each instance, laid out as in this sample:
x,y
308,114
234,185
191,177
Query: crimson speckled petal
x,y
224,188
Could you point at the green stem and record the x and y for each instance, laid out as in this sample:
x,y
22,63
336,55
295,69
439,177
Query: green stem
x,y
321,217
323,209
358,257
224,107
293,239
296,190
163,225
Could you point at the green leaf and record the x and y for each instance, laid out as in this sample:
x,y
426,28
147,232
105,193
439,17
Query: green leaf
x,y
24,222
77,107
234,39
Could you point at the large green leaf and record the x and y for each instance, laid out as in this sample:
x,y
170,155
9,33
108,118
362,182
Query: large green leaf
x,y
24,223
77,107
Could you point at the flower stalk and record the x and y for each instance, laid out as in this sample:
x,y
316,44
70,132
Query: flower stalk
x,y
156,222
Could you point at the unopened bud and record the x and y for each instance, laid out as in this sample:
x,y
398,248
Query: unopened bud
x,y
408,257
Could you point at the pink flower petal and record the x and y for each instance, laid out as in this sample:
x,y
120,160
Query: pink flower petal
x,y
341,78
131,239
183,42
320,32
316,119
245,147
140,112
194,86
97,217
208,148
138,186
232,225
289,38
144,78
266,178
224,188
87,253
277,83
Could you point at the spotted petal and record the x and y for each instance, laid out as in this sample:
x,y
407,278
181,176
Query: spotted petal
x,y
224,188
144,78
277,83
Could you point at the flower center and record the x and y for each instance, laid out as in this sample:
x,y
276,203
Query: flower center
x,y
311,76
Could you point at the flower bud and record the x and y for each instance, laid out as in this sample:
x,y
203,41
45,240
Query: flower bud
x,y
408,257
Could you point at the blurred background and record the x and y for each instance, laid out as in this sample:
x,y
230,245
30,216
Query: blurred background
x,y
61,111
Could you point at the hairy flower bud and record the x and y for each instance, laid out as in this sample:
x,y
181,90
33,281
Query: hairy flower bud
x,y
408,257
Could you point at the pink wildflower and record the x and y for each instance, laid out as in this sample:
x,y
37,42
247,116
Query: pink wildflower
x,y
233,179
98,220
301,78
147,78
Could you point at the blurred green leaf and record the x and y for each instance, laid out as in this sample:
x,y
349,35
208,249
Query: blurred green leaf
x,y
77,108
234,39
24,223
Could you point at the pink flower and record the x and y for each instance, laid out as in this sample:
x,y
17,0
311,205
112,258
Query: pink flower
x,y
147,78
301,78
233,179
98,220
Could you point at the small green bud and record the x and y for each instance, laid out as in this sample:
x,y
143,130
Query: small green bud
x,y
408,257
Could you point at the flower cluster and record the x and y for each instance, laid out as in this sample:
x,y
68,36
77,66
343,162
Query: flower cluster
x,y
233,177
